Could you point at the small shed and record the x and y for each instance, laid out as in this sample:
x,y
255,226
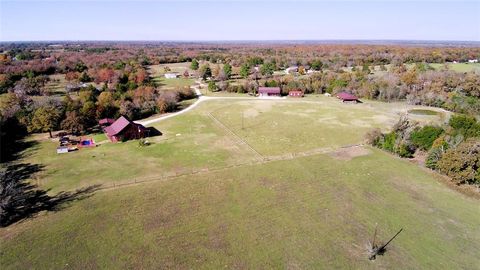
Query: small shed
x,y
268,91
62,149
347,97
170,75
295,93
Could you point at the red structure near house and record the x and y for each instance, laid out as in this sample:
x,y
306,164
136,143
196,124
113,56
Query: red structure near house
x,y
295,93
268,91
347,97
123,129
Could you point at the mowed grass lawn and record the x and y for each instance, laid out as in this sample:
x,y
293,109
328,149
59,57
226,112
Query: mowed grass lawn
x,y
180,82
314,212
274,127
190,143
458,67
308,212
194,142
157,72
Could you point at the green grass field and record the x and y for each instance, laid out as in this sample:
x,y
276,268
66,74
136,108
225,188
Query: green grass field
x,y
157,73
165,83
291,207
459,67
56,85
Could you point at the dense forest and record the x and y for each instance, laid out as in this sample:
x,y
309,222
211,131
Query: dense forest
x,y
112,79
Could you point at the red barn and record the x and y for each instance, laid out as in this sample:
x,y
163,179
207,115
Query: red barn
x,y
268,91
123,129
295,93
347,97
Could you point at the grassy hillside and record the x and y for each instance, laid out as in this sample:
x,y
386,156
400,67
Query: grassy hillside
x,y
212,137
312,212
281,190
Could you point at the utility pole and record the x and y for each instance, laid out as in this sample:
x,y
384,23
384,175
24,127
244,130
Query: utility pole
x,y
243,117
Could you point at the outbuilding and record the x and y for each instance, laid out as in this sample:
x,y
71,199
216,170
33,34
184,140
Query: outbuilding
x,y
62,149
295,93
170,75
347,97
268,91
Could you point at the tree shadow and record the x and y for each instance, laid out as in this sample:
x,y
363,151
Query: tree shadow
x,y
20,199
14,149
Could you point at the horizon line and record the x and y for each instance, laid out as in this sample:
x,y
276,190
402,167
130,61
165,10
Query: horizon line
x,y
232,40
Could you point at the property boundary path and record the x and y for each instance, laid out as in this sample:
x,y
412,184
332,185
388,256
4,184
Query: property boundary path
x,y
266,159
240,141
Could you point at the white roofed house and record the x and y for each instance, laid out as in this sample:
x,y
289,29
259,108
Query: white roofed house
x,y
171,75
290,70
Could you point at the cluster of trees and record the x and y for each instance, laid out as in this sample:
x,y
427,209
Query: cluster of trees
x,y
453,149
83,112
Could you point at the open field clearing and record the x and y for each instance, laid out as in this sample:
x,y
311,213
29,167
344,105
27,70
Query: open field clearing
x,y
311,212
157,73
165,83
189,143
282,190
458,67
275,127
159,70
211,137
56,85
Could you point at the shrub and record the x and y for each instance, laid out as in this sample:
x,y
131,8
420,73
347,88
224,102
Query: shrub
x,y
405,150
389,141
434,155
186,93
212,86
462,163
374,137
465,125
424,137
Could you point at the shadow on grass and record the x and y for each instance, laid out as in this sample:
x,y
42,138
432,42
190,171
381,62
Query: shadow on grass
x,y
20,199
153,132
14,150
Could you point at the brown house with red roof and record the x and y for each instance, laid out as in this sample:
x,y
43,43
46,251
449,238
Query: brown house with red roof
x,y
123,129
268,91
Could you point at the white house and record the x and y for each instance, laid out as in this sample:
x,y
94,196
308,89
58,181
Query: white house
x,y
170,75
291,69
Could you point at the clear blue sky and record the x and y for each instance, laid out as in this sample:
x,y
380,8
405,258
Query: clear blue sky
x,y
239,20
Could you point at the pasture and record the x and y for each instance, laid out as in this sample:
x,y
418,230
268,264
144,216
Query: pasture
x,y
157,73
216,134
247,183
458,67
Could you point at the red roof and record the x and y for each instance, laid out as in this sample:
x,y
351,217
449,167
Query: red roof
x,y
269,90
296,92
346,96
117,126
